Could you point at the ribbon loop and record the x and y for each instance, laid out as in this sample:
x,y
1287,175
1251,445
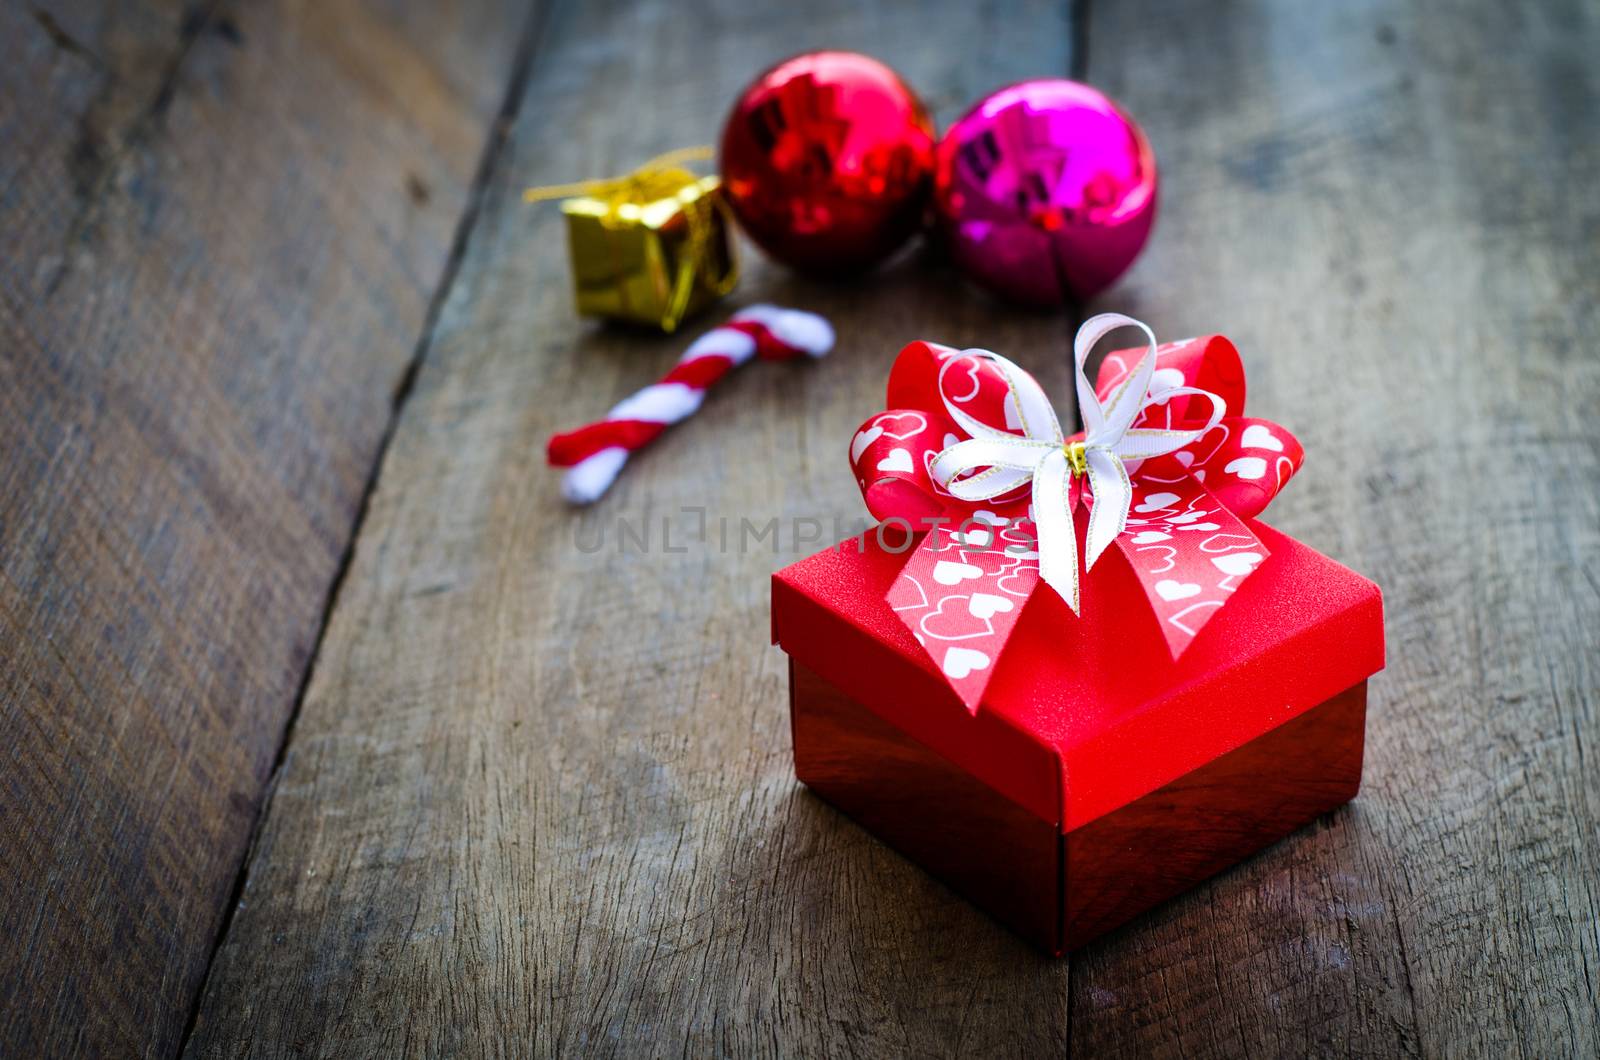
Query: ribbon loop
x,y
1103,424
1012,454
1034,412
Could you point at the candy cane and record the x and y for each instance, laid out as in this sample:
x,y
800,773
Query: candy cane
x,y
594,455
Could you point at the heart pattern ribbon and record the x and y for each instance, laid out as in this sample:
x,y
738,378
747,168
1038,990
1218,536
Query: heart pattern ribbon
x,y
1166,469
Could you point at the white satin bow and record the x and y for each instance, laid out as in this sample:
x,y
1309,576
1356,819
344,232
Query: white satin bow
x,y
1041,453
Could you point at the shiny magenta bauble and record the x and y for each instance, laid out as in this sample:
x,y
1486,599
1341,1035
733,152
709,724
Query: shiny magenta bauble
x,y
1045,192
827,161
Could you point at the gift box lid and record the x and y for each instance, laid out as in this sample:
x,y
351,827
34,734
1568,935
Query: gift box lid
x,y
1084,715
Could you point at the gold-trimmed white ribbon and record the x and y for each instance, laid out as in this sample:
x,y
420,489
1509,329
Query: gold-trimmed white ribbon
x,y
1042,455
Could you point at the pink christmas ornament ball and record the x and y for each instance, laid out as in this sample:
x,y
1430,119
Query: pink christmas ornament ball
x,y
1045,192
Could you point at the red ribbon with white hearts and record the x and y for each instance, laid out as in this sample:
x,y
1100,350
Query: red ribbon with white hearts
x,y
1166,470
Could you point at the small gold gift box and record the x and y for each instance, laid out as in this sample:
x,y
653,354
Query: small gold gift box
x,y
653,247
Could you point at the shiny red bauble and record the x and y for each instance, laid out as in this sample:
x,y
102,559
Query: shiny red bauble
x,y
827,161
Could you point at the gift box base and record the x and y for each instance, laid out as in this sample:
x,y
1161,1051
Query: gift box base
x,y
1062,890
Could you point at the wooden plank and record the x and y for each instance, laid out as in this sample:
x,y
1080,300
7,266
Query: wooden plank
x,y
1382,206
224,225
542,800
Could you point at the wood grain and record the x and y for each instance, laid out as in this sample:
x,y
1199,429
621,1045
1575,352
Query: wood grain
x,y
541,800
1377,203
224,225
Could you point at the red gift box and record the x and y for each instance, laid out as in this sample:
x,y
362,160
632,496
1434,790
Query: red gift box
x,y
1069,748
1101,776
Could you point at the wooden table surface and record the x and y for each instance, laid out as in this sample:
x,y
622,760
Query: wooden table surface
x,y
323,736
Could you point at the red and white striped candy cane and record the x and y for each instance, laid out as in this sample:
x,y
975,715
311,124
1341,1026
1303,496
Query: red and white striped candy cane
x,y
593,455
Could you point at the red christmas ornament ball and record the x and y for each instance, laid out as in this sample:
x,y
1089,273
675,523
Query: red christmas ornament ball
x,y
827,161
